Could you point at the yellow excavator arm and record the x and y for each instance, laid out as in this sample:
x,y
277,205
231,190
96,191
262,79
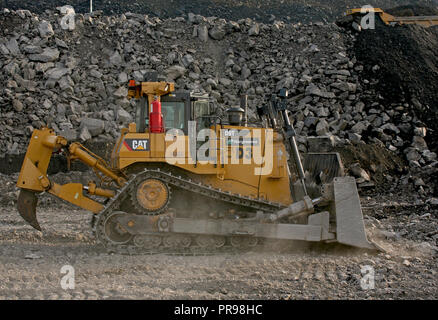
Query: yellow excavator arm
x,y
33,175
388,19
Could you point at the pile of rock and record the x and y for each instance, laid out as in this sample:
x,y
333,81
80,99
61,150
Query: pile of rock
x,y
76,80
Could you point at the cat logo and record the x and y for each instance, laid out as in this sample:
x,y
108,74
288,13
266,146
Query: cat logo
x,y
136,144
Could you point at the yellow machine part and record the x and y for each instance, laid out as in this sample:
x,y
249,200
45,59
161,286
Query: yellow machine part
x,y
388,19
36,161
150,89
236,178
33,174
253,165
73,193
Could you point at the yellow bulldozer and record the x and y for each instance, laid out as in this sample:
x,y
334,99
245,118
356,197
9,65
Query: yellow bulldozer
x,y
183,178
355,18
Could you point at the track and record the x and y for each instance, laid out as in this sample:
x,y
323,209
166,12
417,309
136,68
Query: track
x,y
169,243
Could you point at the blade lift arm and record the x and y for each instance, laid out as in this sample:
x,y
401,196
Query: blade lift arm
x,y
290,134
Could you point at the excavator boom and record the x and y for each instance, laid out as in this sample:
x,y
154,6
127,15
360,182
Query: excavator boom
x,y
355,15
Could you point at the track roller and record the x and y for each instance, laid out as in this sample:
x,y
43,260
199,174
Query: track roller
x,y
243,241
177,241
147,241
114,231
205,241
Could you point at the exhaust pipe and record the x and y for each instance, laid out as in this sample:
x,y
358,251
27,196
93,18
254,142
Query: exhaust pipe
x,y
244,106
26,205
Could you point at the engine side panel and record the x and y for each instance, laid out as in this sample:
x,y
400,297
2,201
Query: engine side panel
x,y
249,166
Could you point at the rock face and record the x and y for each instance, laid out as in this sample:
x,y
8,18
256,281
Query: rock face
x,y
226,9
77,80
266,11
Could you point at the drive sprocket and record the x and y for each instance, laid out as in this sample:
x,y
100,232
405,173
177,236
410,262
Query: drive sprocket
x,y
151,196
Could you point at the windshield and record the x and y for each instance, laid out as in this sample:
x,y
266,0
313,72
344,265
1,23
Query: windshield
x,y
201,113
173,114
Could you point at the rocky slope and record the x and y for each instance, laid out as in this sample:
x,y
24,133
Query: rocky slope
x,y
75,80
263,11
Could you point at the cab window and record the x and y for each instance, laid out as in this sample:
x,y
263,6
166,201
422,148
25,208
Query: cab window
x,y
201,109
173,115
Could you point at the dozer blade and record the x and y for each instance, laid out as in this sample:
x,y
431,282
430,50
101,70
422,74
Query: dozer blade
x,y
350,227
26,205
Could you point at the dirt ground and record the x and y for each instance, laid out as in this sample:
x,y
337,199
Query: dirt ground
x,y
31,262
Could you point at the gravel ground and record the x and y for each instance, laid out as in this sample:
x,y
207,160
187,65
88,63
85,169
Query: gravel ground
x,y
31,262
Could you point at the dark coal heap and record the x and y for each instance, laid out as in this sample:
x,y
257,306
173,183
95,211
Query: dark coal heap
x,y
407,60
412,10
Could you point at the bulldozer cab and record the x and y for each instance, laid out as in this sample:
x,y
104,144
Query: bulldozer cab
x,y
178,108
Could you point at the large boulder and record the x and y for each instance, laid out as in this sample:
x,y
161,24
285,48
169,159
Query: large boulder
x,y
254,30
174,72
45,29
94,126
203,33
116,59
31,49
217,32
48,55
56,73
121,92
123,116
12,46
313,90
18,106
